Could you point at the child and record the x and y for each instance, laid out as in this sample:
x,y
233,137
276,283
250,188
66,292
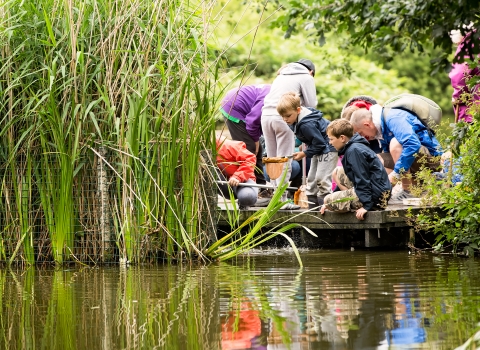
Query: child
x,y
237,164
309,126
363,178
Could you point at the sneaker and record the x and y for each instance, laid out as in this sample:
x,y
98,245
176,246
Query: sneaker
x,y
400,196
262,202
290,206
266,193
243,207
312,202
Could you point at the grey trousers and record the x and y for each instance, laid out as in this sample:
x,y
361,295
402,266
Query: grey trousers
x,y
279,141
319,179
247,196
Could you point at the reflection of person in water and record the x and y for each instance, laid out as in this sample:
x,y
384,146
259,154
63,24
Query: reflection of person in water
x,y
408,322
242,329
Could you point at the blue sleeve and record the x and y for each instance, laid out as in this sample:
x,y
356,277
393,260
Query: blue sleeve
x,y
317,143
403,131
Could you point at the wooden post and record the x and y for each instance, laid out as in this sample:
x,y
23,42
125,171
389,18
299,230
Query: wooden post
x,y
209,197
411,234
104,220
372,238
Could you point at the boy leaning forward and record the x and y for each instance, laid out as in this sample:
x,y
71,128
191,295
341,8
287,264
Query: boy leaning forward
x,y
309,126
363,180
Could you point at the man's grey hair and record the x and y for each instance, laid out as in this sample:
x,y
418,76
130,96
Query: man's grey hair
x,y
359,116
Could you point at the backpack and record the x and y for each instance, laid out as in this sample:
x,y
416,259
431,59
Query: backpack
x,y
427,111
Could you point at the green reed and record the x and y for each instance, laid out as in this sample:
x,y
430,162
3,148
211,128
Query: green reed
x,y
251,232
109,104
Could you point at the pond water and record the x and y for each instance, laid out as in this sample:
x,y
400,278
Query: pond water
x,y
338,300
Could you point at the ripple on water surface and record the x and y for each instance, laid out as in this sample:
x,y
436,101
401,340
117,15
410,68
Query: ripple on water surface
x,y
262,300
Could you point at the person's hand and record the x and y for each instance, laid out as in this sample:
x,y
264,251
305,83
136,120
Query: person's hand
x,y
360,213
322,209
393,177
455,101
233,181
299,155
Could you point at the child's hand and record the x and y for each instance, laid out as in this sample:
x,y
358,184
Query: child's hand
x,y
322,209
299,155
393,177
360,213
233,181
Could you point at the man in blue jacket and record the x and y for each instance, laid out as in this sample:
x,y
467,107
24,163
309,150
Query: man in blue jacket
x,y
402,135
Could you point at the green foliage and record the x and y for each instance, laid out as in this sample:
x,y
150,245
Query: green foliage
x,y
415,71
459,224
341,71
237,242
378,26
106,107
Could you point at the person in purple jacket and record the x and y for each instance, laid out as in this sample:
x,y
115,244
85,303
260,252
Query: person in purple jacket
x,y
458,75
242,109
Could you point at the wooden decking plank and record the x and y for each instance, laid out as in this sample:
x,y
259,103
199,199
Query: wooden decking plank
x,y
393,216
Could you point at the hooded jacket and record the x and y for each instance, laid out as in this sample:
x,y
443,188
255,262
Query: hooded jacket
x,y
364,169
235,160
245,103
311,130
293,77
410,133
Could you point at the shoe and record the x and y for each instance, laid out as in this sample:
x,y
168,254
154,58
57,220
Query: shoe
x,y
312,202
290,206
262,202
266,193
400,196
243,207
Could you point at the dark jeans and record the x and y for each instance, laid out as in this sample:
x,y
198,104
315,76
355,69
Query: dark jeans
x,y
238,132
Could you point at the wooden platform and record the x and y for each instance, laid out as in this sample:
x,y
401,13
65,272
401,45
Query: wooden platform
x,y
376,222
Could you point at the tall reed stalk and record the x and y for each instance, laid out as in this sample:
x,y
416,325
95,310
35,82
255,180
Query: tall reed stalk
x,y
130,84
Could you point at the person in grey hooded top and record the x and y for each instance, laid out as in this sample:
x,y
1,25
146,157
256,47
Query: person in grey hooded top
x,y
296,77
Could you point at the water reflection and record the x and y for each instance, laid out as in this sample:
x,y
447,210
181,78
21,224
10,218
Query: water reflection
x,y
339,300
407,325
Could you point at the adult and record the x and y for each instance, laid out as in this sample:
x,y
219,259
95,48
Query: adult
x,y
242,109
404,137
357,102
236,164
462,95
279,138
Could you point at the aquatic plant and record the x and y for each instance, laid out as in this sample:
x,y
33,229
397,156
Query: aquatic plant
x,y
252,233
106,107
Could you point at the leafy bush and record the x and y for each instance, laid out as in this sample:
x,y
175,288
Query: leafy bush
x,y
459,224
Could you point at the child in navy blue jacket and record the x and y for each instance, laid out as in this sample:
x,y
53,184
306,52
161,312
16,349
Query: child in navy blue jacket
x,y
310,127
363,179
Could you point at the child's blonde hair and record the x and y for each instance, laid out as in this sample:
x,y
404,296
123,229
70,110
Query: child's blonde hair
x,y
340,127
347,112
289,101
